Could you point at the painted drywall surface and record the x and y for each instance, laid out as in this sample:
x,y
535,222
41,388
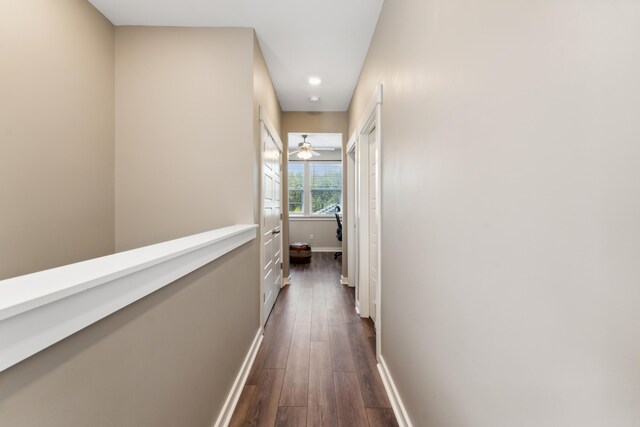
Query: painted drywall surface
x,y
175,345
324,232
510,167
167,360
186,161
56,135
312,122
264,96
185,155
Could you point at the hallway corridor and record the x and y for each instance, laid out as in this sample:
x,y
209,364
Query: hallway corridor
x,y
316,365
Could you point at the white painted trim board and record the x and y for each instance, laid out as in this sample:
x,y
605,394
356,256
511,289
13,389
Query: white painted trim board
x,y
392,392
38,310
326,249
264,118
224,417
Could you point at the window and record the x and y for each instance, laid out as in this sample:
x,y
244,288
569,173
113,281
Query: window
x,y
325,183
296,188
315,188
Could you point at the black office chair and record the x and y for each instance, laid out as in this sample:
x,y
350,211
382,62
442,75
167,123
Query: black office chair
x,y
338,232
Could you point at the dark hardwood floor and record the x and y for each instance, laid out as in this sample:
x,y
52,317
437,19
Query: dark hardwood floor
x,y
317,364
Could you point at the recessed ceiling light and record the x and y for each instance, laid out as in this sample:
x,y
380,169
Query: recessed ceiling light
x,y
314,99
315,80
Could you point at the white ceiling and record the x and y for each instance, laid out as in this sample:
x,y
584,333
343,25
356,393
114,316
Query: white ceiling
x,y
317,140
299,38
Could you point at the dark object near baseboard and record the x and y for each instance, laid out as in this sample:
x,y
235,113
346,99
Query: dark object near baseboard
x,y
300,253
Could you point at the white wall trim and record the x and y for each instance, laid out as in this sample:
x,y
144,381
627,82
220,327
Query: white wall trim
x,y
394,397
373,123
264,118
370,121
312,218
38,310
326,249
352,210
344,280
351,144
287,280
224,418
267,130
369,114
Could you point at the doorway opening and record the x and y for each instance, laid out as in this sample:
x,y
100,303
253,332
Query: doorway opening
x,y
315,190
363,207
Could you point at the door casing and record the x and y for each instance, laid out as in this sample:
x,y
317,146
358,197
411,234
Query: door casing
x,y
358,164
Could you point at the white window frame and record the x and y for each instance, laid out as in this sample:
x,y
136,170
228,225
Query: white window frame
x,y
306,196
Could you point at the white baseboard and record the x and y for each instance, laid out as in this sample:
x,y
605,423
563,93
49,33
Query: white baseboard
x,y
326,249
287,281
344,280
232,399
396,403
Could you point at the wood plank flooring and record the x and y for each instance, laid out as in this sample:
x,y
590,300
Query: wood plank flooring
x,y
317,364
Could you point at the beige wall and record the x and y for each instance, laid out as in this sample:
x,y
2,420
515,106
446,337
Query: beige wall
x,y
324,232
313,122
264,95
56,135
185,162
510,209
184,135
167,360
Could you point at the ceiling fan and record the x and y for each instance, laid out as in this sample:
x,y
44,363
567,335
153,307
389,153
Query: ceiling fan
x,y
305,151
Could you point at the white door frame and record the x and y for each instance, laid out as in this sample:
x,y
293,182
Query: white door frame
x,y
359,145
267,129
351,231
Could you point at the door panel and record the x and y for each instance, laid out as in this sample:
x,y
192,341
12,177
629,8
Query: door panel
x,y
271,222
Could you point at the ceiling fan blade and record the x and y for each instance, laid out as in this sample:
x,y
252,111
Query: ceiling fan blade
x,y
324,149
314,153
294,152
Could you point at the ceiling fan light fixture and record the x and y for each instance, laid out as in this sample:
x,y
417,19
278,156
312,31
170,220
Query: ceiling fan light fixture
x,y
304,155
315,80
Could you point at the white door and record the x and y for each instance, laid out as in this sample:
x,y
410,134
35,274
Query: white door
x,y
271,222
361,221
373,225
